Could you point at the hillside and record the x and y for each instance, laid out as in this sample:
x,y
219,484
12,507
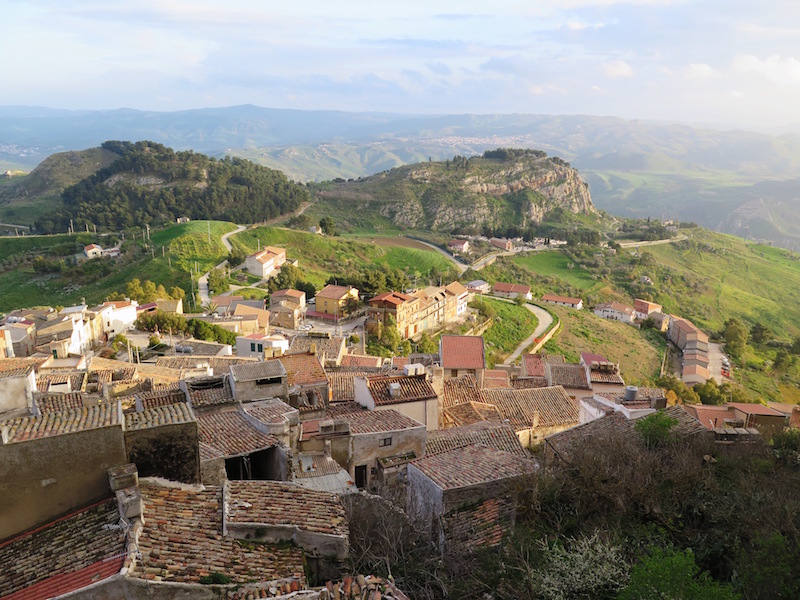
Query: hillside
x,y
501,189
148,183
739,182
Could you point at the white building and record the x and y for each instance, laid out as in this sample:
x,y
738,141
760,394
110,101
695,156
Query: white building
x,y
265,262
615,311
122,316
257,344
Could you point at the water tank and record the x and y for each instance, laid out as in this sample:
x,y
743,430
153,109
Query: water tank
x,y
631,392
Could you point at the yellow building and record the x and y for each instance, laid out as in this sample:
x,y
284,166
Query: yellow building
x,y
333,299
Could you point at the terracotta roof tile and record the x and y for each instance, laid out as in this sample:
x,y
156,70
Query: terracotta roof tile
x,y
569,376
527,383
76,380
411,389
336,292
331,347
511,288
361,360
277,503
182,541
342,388
755,409
496,378
258,370
462,352
49,403
157,398
564,299
532,365
60,423
273,410
493,435
461,390
209,391
170,414
35,565
472,412
471,465
302,369
229,433
552,405
363,421
220,365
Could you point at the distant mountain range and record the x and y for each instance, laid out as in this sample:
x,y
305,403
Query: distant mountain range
x,y
734,181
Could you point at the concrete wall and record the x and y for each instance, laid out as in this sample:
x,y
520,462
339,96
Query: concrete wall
x,y
247,391
422,411
16,393
334,546
169,451
44,478
366,449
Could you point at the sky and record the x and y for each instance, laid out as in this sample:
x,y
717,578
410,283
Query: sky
x,y
717,62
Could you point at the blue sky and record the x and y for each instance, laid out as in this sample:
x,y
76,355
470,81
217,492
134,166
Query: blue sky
x,y
732,62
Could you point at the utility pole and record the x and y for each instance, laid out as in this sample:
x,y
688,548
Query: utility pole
x,y
148,231
209,232
71,230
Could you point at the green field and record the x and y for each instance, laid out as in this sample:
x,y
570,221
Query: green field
x,y
556,263
321,257
510,327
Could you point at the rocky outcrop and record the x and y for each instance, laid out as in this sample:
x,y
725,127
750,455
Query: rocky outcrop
x,y
523,192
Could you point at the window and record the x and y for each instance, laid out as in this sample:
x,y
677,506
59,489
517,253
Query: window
x,y
385,442
261,347
252,347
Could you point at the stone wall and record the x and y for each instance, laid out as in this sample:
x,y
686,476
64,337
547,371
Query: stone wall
x,y
168,451
46,477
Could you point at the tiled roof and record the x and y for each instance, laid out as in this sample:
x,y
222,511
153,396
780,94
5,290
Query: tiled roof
x,y
554,359
274,410
710,416
302,369
471,465
363,421
219,364
472,412
331,347
276,503
182,541
395,298
461,390
76,379
49,403
342,389
564,299
455,288
258,370
361,360
527,383
335,292
496,378
399,362
569,376
9,373
317,465
268,254
617,306
606,377
229,433
60,423
493,435
288,292
552,405
511,288
755,409
161,398
589,357
209,391
171,414
35,564
412,389
533,365
462,352
564,442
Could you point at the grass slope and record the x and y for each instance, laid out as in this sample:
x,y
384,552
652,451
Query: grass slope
x,y
638,352
321,257
510,327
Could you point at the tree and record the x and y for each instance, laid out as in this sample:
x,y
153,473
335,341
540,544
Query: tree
x,y
710,393
735,334
426,345
655,429
673,574
783,361
327,225
759,333
217,282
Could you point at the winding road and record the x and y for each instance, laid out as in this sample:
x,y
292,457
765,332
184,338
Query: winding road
x,y
202,283
545,320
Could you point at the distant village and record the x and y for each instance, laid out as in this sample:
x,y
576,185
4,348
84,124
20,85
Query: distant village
x,y
211,470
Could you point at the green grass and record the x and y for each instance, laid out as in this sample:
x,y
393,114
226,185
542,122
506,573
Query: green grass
x,y
638,352
510,327
555,264
321,257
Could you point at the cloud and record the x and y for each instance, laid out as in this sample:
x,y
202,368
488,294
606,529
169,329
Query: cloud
x,y
617,69
699,71
580,26
785,71
439,68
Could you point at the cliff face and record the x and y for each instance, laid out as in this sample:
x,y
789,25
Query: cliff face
x,y
521,191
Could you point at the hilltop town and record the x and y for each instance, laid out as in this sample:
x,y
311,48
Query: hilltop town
x,y
245,467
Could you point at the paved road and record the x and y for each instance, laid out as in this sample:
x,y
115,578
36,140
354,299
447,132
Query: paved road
x,y
545,320
202,283
680,238
225,236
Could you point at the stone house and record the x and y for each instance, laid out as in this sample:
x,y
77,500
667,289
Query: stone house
x,y
309,388
373,446
502,243
644,308
466,497
259,381
328,348
458,246
93,251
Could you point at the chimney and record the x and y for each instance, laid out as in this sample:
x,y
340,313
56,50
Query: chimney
x,y
394,390
123,476
312,348
129,502
631,392
535,420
